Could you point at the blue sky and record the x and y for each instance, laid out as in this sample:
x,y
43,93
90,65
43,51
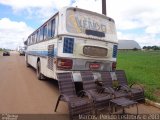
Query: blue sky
x,y
135,20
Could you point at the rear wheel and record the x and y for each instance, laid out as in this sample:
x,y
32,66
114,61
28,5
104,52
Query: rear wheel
x,y
39,74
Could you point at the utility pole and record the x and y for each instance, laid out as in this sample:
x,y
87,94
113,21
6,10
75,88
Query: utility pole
x,y
104,7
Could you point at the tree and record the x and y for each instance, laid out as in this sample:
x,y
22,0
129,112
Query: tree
x,y
151,47
135,49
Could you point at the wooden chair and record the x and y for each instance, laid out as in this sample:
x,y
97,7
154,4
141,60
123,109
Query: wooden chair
x,y
137,93
77,105
100,99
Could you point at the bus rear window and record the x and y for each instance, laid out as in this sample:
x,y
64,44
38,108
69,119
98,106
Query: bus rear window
x,y
95,51
95,33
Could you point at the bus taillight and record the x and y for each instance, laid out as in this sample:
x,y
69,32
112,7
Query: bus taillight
x,y
64,63
114,66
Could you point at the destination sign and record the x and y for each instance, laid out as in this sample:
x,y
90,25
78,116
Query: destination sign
x,y
78,22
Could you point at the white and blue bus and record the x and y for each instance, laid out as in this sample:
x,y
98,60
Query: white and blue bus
x,y
73,40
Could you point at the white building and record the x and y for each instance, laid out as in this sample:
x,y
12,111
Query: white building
x,y
128,45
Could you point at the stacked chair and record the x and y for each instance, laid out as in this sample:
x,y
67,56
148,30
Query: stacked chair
x,y
100,99
137,94
77,105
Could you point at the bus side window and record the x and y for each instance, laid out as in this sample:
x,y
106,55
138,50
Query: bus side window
x,y
33,38
41,34
45,32
28,41
51,28
38,36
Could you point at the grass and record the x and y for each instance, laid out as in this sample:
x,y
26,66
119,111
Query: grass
x,y
142,67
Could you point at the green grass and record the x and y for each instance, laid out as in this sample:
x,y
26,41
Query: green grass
x,y
142,67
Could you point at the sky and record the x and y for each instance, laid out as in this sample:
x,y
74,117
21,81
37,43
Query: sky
x,y
137,20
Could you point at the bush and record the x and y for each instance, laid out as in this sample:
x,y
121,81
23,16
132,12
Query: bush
x,y
135,49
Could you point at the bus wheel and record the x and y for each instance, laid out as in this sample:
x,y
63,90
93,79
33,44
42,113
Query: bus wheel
x,y
39,74
27,64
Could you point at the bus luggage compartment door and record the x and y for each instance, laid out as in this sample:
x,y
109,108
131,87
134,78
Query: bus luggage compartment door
x,y
50,56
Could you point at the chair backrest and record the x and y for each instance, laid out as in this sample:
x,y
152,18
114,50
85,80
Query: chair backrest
x,y
66,84
121,77
106,79
88,80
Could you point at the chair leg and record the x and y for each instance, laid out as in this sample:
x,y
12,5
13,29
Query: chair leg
x,y
57,103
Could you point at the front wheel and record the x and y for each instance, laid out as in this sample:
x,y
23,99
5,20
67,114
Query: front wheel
x,y
39,74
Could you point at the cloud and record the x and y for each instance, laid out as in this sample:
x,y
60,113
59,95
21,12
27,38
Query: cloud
x,y
24,4
143,39
42,9
92,5
129,15
13,33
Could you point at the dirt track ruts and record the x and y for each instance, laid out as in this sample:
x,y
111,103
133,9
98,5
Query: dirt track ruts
x,y
21,92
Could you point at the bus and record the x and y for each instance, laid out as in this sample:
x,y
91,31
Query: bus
x,y
73,40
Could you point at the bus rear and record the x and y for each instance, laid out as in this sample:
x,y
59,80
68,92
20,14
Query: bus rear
x,y
87,41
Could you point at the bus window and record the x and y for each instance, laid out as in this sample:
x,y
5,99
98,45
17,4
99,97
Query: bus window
x,y
41,34
28,40
51,28
33,38
38,36
44,32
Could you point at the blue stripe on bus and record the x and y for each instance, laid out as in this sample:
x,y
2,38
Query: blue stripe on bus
x,y
42,53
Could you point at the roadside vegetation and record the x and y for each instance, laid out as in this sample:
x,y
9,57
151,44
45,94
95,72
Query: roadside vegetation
x,y
142,67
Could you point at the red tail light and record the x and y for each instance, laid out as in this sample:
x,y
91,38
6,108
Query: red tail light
x,y
64,63
114,66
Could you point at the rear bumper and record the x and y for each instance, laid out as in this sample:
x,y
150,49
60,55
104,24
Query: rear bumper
x,y
97,76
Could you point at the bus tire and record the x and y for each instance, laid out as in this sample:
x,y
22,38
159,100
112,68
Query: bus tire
x,y
39,74
27,64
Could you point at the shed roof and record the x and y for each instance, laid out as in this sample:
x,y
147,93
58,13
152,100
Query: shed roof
x,y
128,44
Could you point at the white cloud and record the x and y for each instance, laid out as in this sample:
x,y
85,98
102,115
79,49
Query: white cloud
x,y
92,5
40,8
13,33
24,4
128,14
143,39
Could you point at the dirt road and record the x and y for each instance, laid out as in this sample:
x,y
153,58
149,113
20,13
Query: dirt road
x,y
21,92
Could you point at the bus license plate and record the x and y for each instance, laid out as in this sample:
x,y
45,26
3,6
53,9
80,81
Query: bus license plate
x,y
94,66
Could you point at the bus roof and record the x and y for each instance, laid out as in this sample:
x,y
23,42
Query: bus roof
x,y
64,10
